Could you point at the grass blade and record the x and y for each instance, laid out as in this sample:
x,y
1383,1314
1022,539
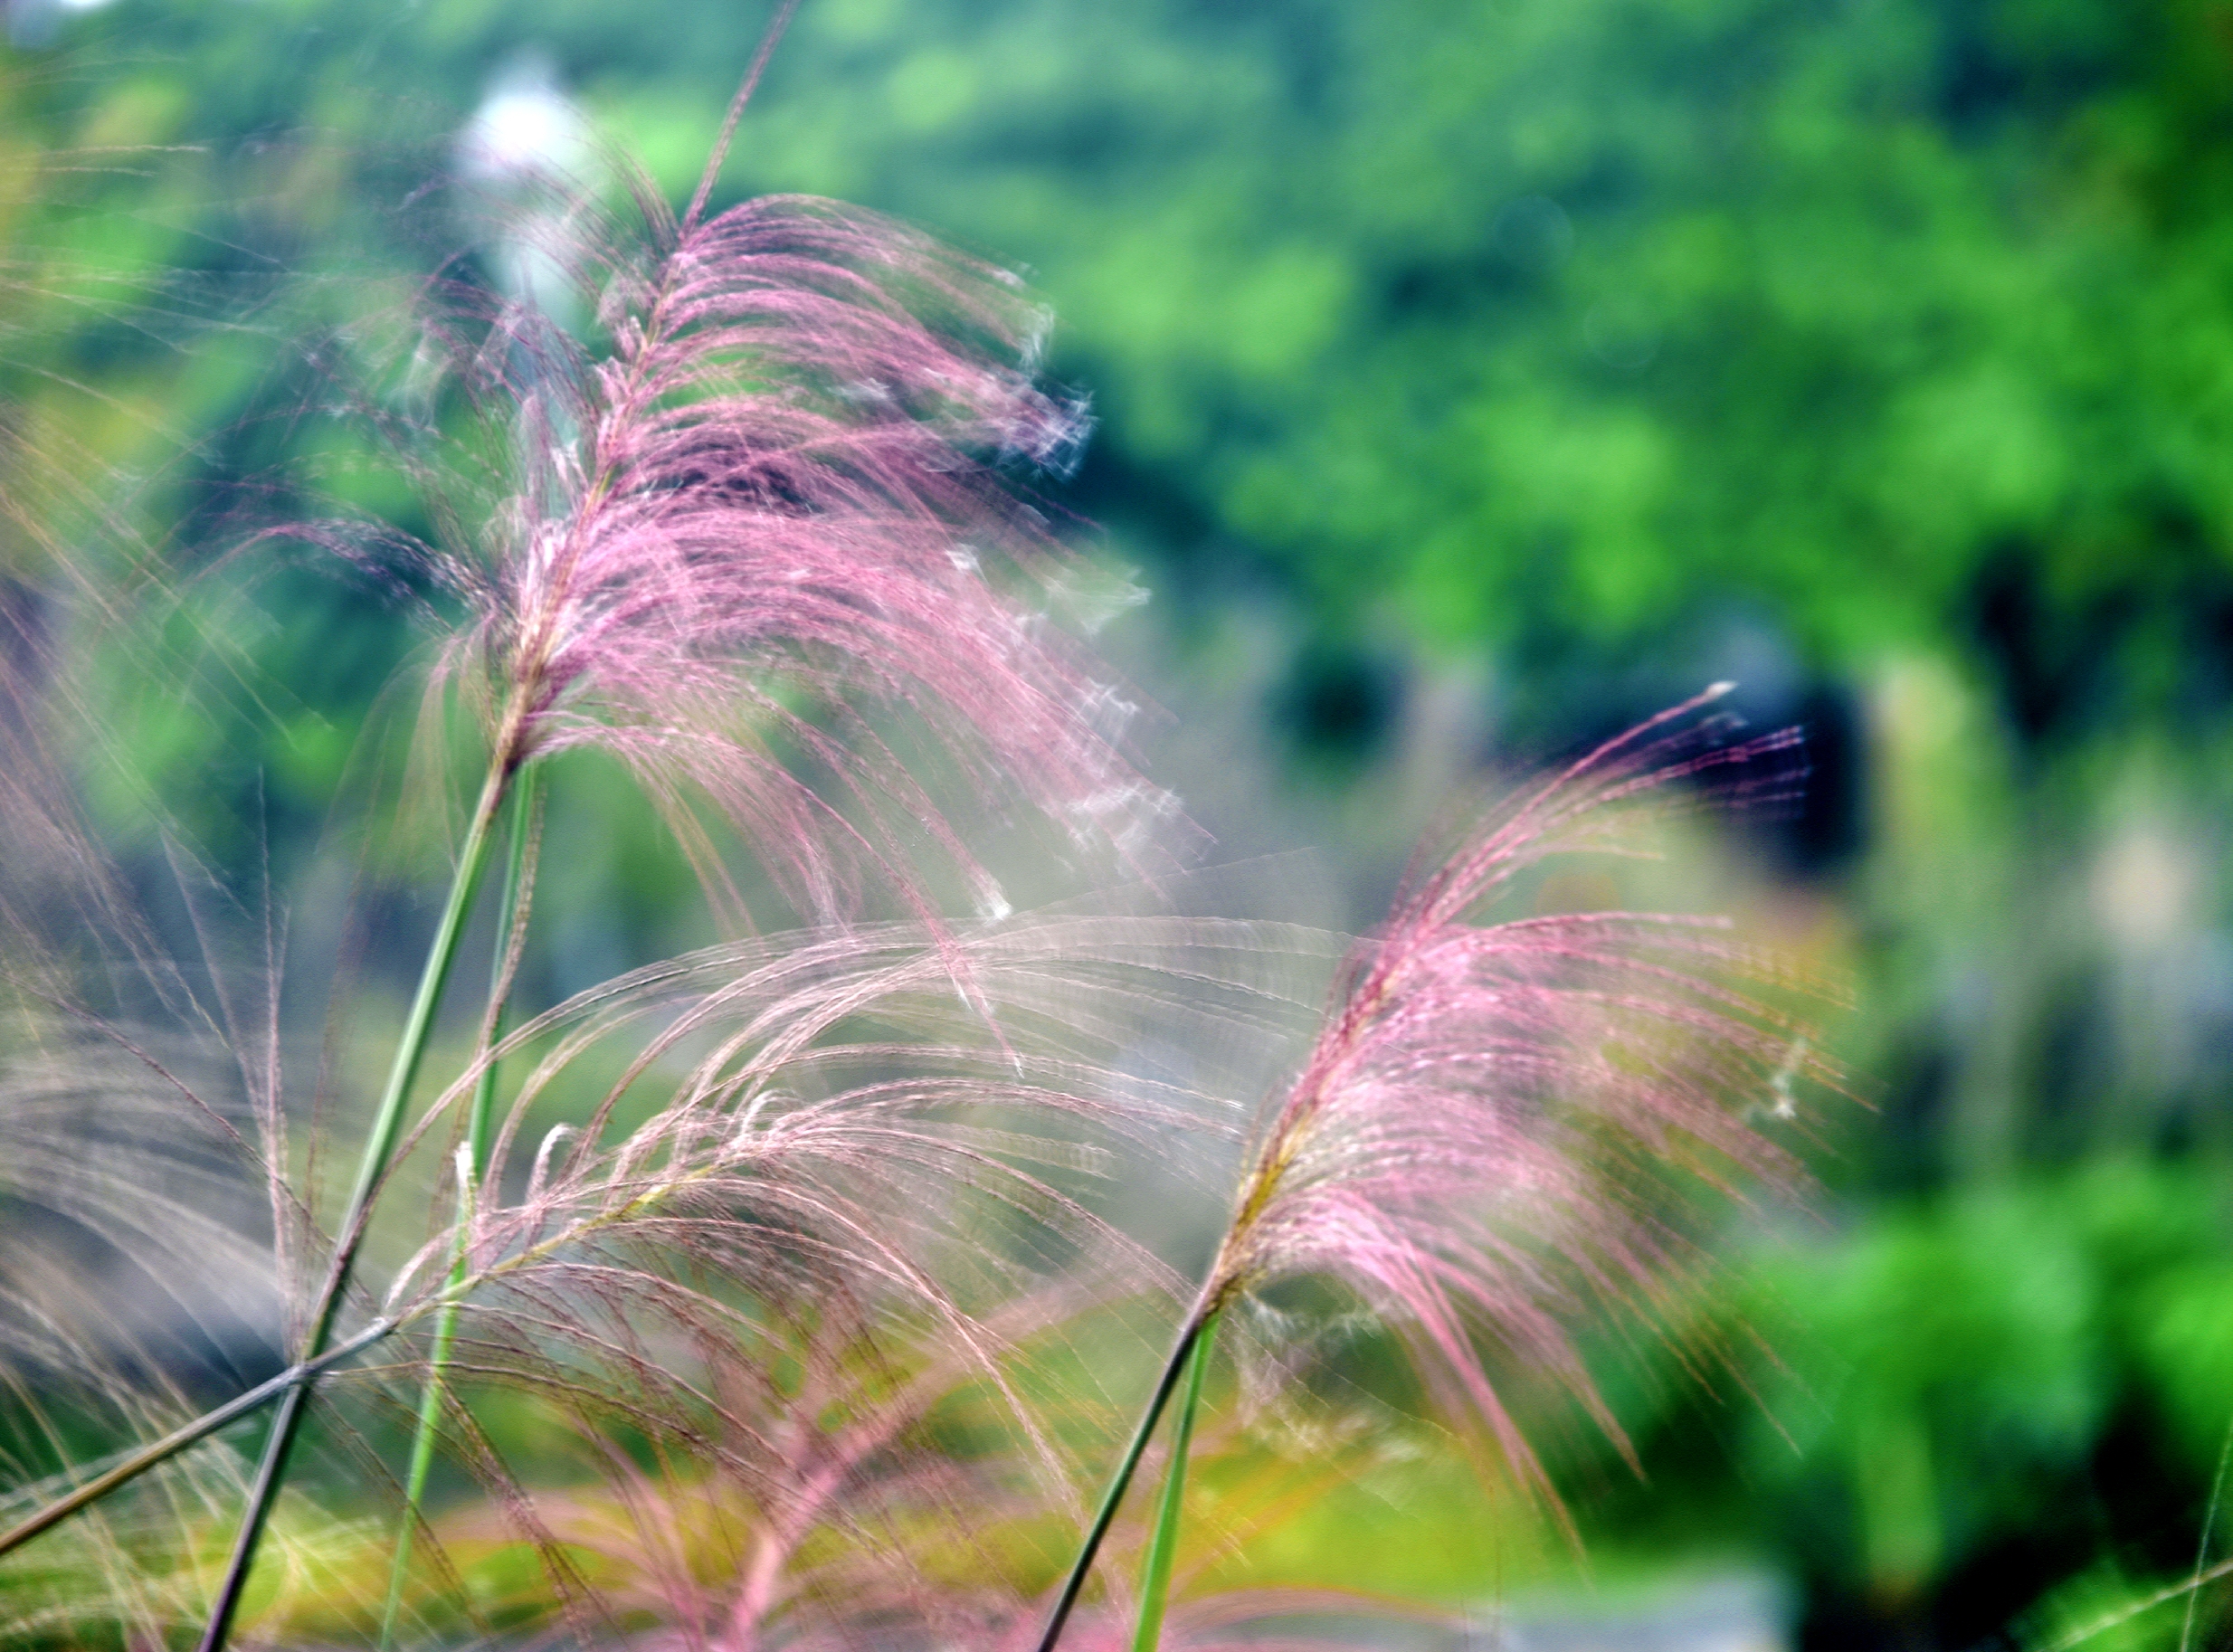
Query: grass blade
x,y
387,1124
1091,1543
511,896
1155,1586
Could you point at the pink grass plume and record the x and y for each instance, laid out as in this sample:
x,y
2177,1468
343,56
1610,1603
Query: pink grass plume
x,y
752,525
1500,1123
1490,1125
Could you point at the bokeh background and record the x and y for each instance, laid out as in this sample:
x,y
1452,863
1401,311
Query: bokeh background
x,y
1474,377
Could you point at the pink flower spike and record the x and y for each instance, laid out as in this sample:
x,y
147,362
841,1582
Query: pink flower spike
x,y
762,545
1495,1114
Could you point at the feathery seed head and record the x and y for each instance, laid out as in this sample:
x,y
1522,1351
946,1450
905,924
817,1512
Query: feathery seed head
x,y
1494,1112
769,512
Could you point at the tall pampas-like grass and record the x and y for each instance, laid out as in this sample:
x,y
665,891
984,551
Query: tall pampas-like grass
x,y
740,498
1498,1120
816,1138
760,509
759,498
766,497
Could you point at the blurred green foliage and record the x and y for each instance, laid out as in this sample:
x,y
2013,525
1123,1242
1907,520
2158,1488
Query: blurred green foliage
x,y
1999,1411
1491,322
1880,351
1961,1368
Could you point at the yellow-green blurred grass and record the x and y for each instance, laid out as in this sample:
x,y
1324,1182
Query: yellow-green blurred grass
x,y
1300,1496
2106,1609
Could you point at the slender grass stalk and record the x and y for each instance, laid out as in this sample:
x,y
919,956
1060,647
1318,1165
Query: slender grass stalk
x,y
525,797
1155,1586
1197,1326
1461,1054
162,1451
2202,1547
387,1124
2146,1603
152,1456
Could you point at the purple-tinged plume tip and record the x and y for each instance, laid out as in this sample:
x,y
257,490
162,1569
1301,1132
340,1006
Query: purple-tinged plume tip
x,y
1499,1117
762,542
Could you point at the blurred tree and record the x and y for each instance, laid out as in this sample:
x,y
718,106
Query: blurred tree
x,y
1903,324
1618,343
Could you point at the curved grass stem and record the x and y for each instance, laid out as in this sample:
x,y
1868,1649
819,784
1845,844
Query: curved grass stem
x,y
129,1466
1155,1585
379,1147
161,1451
1197,1325
458,1291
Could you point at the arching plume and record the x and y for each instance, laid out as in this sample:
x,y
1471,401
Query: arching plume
x,y
1500,1122
759,536
1494,1112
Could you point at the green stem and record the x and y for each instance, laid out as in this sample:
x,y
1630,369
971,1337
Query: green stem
x,y
152,1456
139,1462
1091,1545
477,1128
127,1468
387,1125
1155,1586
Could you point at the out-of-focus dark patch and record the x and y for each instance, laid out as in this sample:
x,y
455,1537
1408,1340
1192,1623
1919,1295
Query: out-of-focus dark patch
x,y
1810,825
2048,662
2148,637
1822,829
1336,704
1907,1154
